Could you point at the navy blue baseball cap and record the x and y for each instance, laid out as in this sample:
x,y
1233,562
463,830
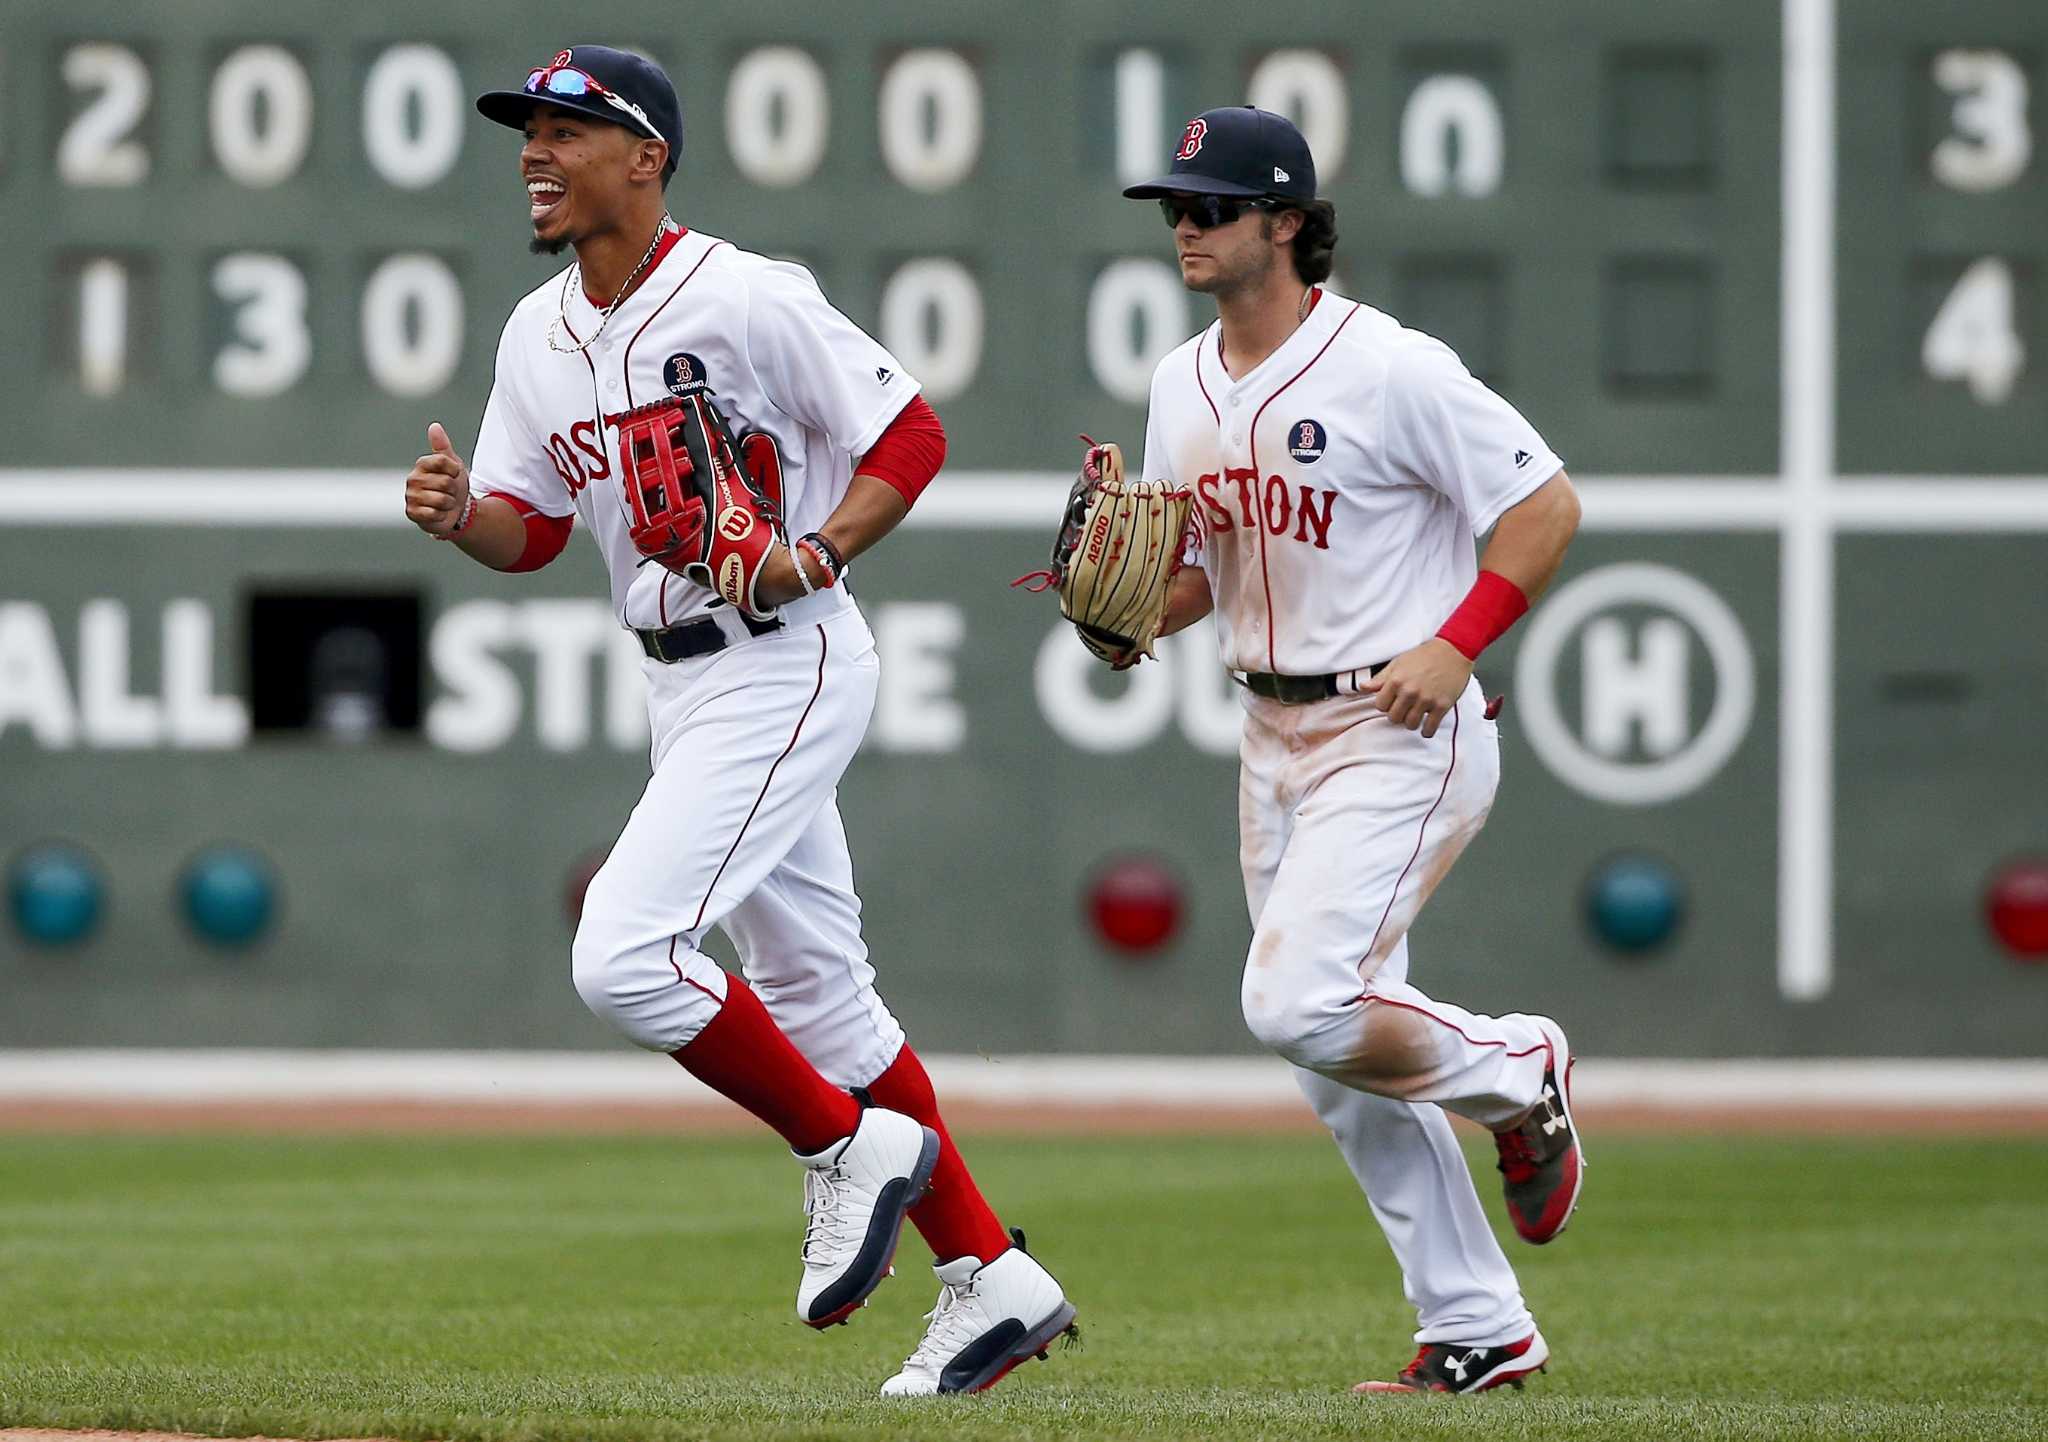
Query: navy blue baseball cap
x,y
602,83
1238,150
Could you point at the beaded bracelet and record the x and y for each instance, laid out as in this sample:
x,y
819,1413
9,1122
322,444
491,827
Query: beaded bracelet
x,y
828,557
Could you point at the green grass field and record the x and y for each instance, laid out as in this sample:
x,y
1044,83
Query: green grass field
x,y
521,1288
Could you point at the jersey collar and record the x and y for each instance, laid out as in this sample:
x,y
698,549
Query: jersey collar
x,y
1325,310
671,234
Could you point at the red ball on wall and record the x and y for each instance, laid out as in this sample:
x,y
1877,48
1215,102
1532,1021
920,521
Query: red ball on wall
x,y
2016,905
1134,903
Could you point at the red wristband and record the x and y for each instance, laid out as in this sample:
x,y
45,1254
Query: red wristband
x,y
1492,605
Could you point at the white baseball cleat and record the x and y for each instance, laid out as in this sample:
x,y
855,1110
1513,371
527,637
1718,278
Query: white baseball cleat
x,y
989,1318
856,1193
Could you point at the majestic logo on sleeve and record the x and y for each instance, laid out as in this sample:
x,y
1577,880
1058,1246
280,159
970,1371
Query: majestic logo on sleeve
x,y
684,374
1191,140
1306,441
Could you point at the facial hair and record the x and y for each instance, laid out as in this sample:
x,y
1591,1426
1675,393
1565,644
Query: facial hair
x,y
1246,272
547,247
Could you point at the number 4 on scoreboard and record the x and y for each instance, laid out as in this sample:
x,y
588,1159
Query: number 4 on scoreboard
x,y
1972,337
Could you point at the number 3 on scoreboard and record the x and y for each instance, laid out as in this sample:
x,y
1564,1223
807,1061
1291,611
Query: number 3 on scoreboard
x,y
1972,337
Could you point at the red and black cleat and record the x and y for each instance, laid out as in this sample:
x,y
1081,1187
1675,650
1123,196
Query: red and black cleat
x,y
1453,1367
1541,1164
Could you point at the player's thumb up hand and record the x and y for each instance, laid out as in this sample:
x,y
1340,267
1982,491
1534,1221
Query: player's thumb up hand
x,y
437,439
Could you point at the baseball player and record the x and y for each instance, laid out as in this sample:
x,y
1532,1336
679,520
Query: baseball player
x,y
758,691
1341,466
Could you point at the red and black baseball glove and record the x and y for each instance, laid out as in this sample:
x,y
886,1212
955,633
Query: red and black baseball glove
x,y
702,504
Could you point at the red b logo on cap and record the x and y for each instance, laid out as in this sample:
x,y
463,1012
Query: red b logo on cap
x,y
1191,139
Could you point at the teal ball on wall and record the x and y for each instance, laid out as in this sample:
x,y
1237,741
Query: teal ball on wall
x,y
229,895
55,894
1635,902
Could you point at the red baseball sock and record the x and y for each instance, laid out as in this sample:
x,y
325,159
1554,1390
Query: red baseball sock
x,y
743,1055
953,1218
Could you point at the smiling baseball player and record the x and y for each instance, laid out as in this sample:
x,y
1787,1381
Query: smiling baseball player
x,y
732,442
1340,467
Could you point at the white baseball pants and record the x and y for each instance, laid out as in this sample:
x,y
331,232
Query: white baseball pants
x,y
739,828
1347,824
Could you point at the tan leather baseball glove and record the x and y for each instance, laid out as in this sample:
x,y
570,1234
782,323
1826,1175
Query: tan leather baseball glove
x,y
1118,549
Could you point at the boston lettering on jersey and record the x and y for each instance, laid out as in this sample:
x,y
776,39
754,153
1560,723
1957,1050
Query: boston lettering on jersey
x,y
1234,499
578,471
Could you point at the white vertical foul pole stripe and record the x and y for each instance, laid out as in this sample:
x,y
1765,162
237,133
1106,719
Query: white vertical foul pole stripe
x,y
1807,560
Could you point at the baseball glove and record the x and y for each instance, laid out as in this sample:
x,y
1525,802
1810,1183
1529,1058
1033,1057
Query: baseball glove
x,y
700,503
1118,549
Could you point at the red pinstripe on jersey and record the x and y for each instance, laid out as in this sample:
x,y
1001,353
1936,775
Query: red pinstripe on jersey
x,y
1421,833
767,780
1259,497
626,365
1213,412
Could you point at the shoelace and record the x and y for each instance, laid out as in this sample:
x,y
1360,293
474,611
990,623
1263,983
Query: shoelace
x,y
825,1230
1412,1373
1518,1158
948,1332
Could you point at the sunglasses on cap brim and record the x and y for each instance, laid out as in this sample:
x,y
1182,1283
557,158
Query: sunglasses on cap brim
x,y
567,80
1209,211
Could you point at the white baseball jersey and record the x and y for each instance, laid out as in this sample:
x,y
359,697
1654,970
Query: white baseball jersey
x,y
1339,485
757,332
738,828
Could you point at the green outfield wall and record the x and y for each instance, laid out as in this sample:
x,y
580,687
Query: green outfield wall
x,y
256,248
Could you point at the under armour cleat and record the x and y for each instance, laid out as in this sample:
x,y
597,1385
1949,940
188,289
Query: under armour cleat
x,y
1541,1164
1453,1367
989,1318
856,1194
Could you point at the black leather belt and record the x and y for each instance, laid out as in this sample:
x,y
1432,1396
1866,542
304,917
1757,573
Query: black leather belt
x,y
1300,690
697,638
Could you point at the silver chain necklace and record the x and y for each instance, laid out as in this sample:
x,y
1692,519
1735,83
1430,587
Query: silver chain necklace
x,y
574,276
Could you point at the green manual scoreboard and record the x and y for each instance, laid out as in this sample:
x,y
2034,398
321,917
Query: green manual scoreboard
x,y
1769,275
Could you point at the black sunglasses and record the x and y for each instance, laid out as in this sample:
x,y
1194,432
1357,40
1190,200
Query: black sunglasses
x,y
1209,211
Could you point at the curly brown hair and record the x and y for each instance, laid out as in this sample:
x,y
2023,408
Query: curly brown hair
x,y
1315,244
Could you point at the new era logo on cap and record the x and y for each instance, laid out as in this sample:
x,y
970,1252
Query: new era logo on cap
x,y
1280,177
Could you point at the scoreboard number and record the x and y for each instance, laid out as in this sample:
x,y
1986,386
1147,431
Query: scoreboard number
x,y
412,325
1307,87
103,326
1993,142
777,116
260,115
96,148
413,115
930,119
932,321
1446,109
271,347
1972,337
